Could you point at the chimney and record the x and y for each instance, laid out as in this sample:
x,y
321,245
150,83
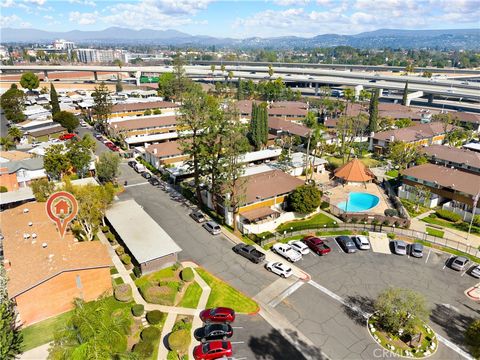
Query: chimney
x,y
392,138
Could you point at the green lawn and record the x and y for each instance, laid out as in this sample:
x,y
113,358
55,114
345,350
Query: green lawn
x,y
191,296
155,277
119,281
113,270
411,208
223,294
435,232
337,162
42,332
392,173
463,226
314,222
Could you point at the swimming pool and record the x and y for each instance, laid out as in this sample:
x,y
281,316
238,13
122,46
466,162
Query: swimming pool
x,y
358,201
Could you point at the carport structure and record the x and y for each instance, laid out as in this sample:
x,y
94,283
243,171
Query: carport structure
x,y
149,245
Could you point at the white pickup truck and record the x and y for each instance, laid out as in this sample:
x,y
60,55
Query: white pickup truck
x,y
287,252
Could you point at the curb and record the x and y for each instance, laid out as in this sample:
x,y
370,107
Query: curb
x,y
472,289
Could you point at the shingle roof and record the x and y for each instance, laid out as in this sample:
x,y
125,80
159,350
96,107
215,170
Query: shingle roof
x,y
414,133
35,163
143,123
140,106
354,171
288,126
47,131
169,148
448,153
31,263
15,155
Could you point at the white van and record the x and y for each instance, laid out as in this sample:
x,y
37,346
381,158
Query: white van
x,y
139,168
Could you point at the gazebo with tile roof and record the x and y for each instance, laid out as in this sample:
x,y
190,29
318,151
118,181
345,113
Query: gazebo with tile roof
x,y
354,172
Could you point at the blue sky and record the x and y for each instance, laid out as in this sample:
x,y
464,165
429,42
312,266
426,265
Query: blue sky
x,y
242,18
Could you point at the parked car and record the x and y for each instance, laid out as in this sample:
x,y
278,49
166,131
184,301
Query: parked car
x,y
361,242
213,332
139,168
459,263
279,268
212,227
416,250
299,246
66,136
317,245
218,315
475,272
132,163
198,216
346,244
212,350
154,181
287,252
399,247
146,175
249,252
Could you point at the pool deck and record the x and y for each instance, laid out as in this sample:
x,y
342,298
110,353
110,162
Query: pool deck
x,y
340,193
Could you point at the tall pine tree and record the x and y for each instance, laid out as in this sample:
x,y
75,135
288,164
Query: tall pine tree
x,y
54,100
253,130
405,93
263,125
373,112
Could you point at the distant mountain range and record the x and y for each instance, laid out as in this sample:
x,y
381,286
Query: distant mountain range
x,y
390,38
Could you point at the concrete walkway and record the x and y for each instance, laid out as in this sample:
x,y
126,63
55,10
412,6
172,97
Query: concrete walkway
x,y
38,353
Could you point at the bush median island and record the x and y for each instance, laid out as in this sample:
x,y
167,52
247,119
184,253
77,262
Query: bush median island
x,y
314,222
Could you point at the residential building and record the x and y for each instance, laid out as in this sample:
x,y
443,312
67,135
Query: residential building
x,y
297,163
138,108
46,272
62,44
280,127
18,174
461,159
452,188
150,247
418,135
13,155
287,110
165,153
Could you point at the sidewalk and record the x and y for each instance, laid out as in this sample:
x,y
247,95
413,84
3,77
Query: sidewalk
x,y
38,353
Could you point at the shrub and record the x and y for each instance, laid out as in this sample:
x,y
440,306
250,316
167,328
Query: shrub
x,y
157,112
147,112
3,189
123,293
154,317
150,333
386,223
126,259
137,272
187,274
305,199
110,237
476,220
391,212
449,215
176,266
105,229
324,205
143,349
179,340
137,310
120,250
433,216
391,236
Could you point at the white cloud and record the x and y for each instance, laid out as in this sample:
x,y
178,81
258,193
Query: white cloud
x,y
291,2
83,2
7,3
48,17
160,14
83,18
36,2
13,21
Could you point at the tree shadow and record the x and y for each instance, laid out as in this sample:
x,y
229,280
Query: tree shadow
x,y
356,307
274,346
451,321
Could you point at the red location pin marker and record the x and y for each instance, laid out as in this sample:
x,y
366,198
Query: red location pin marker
x,y
62,207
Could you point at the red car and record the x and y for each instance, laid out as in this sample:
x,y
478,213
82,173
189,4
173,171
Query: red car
x,y
317,245
212,350
220,314
111,146
67,136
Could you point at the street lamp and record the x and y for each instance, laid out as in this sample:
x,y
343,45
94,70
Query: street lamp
x,y
291,230
393,226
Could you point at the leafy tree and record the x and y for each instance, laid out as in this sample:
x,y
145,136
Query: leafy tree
x,y
311,119
42,189
67,120
420,196
403,123
402,154
472,338
399,308
56,161
405,94
373,112
15,133
102,107
79,154
10,337
54,100
92,332
7,143
270,70
258,131
29,81
305,199
349,128
427,74
118,85
166,86
212,68
13,104
240,89
107,167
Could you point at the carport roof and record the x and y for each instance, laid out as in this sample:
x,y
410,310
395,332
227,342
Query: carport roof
x,y
144,238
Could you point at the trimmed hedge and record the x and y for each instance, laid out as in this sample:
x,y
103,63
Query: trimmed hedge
x,y
324,205
154,317
123,293
187,274
138,310
126,259
137,272
179,340
391,212
150,333
120,250
449,215
105,229
143,349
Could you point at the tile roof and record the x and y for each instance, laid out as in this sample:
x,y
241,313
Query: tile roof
x,y
140,106
31,263
169,148
413,133
448,153
354,171
446,177
287,126
144,122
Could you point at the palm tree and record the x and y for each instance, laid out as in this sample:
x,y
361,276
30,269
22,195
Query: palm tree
x,y
15,133
7,143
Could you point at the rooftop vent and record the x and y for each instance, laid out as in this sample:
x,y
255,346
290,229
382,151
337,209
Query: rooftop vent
x,y
25,210
30,223
34,236
44,245
26,236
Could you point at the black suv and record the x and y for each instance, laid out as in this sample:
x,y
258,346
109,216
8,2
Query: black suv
x,y
213,332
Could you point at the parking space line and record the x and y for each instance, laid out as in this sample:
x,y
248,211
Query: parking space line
x,y
287,292
338,246
464,272
237,342
237,327
143,183
428,256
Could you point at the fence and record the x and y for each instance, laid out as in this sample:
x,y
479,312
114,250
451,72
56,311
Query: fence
x,y
408,233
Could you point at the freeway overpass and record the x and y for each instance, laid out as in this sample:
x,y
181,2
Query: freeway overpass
x,y
453,89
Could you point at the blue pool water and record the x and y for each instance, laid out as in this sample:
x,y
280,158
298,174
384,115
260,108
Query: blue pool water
x,y
358,201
